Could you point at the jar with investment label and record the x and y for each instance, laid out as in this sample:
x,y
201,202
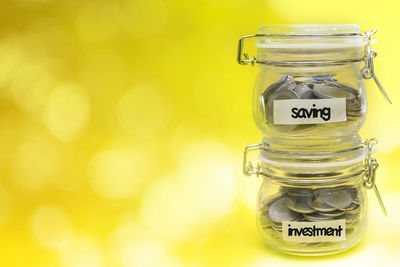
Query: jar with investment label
x,y
314,203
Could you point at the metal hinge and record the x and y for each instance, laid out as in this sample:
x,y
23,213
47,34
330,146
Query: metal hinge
x,y
371,164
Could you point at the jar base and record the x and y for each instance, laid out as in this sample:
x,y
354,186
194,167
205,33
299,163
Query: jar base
x,y
315,253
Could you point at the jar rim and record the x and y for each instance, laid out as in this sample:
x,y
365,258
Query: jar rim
x,y
315,36
291,29
313,159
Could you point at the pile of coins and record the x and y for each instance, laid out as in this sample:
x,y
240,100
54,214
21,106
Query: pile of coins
x,y
313,87
311,205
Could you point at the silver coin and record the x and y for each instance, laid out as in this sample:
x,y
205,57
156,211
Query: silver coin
x,y
355,210
352,218
355,110
284,80
279,211
338,198
353,106
353,117
311,82
270,90
266,227
350,232
333,213
354,113
320,205
323,77
308,95
324,91
300,205
342,86
352,206
262,107
300,192
302,127
357,196
289,86
315,217
280,95
352,223
301,89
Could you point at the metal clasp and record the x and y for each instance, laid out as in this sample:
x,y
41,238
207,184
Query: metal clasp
x,y
248,167
371,164
368,70
243,58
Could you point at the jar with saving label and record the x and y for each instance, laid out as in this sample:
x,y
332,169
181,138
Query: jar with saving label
x,y
310,87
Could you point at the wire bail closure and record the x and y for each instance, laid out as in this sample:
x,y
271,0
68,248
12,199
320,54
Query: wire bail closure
x,y
368,59
371,164
248,168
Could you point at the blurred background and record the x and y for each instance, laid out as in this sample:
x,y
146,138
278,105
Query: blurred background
x,y
122,126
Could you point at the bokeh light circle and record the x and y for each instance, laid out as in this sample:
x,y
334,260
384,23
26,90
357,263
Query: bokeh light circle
x,y
35,163
81,252
51,227
143,111
67,111
118,173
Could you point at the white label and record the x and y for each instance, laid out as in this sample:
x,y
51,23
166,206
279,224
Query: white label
x,y
310,232
306,111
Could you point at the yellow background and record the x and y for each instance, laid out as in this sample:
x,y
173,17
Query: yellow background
x,y
122,125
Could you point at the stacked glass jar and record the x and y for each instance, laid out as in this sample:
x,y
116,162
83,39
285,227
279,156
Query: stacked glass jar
x,y
309,103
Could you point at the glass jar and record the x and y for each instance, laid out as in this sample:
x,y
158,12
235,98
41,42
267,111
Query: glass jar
x,y
312,203
310,91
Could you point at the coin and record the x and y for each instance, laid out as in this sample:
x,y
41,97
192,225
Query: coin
x,y
270,90
301,89
342,86
279,211
300,205
354,210
356,196
302,127
262,107
316,217
352,206
299,192
324,91
333,213
279,95
289,86
284,80
308,95
352,218
323,77
320,205
336,198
